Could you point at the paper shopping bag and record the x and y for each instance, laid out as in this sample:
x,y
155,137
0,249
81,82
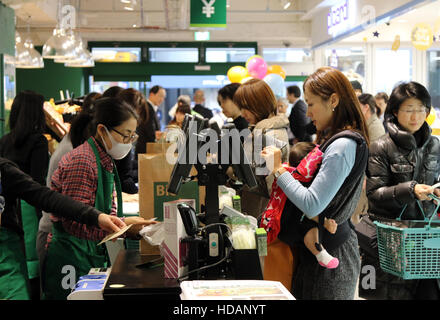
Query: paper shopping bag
x,y
154,169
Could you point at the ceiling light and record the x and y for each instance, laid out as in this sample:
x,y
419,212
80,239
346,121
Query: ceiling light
x,y
26,57
59,46
76,43
285,4
129,8
125,1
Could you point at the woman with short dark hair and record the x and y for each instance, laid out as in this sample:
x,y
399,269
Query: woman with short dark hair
x,y
402,167
225,99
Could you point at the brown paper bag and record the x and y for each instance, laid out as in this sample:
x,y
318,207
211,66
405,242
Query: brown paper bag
x,y
154,174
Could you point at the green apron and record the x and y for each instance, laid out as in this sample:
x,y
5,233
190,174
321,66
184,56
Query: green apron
x,y
67,250
13,271
30,228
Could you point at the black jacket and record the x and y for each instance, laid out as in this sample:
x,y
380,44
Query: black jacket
x,y
16,185
299,121
147,131
205,112
399,160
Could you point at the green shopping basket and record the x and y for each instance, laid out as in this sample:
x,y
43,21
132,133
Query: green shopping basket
x,y
410,253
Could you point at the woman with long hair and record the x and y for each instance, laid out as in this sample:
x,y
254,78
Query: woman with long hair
x,y
334,193
28,148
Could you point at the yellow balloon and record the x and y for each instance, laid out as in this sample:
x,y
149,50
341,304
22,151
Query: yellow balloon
x,y
277,69
237,73
431,117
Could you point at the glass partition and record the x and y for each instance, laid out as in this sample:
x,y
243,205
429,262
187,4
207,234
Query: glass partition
x,y
392,67
229,54
173,54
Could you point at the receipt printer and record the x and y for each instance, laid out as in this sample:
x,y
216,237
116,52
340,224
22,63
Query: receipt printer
x,y
90,286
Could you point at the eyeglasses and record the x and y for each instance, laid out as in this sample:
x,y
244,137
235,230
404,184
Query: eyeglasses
x,y
127,139
416,111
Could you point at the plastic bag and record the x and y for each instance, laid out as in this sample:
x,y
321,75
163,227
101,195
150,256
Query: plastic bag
x,y
225,195
154,234
243,232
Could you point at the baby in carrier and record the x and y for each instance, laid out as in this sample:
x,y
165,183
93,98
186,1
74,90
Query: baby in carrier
x,y
304,161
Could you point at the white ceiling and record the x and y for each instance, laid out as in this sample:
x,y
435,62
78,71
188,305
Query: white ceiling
x,y
402,25
263,21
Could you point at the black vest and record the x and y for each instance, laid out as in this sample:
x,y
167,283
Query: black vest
x,y
346,199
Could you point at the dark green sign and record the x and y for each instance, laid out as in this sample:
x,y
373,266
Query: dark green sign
x,y
189,190
208,14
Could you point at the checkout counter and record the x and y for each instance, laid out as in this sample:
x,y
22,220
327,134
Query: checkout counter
x,y
132,277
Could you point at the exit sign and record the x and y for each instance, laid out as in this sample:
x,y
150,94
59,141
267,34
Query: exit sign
x,y
202,36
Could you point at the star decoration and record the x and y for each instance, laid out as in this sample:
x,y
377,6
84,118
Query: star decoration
x,y
376,34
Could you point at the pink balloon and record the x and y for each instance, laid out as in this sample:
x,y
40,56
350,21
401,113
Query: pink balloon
x,y
257,67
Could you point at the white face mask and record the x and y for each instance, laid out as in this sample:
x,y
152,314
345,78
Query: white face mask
x,y
118,150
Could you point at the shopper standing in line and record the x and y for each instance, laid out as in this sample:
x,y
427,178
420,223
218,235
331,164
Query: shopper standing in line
x,y
88,174
230,109
258,106
282,105
374,125
402,167
199,100
381,102
26,146
173,132
298,116
79,132
149,125
16,185
335,190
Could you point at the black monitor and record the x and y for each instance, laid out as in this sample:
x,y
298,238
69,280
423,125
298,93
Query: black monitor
x,y
227,142
192,125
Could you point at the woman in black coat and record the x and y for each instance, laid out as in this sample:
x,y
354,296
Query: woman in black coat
x,y
403,165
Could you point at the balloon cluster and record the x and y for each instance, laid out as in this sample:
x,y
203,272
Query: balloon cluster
x,y
257,68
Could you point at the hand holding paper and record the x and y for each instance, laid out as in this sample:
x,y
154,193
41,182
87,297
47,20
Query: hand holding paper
x,y
114,235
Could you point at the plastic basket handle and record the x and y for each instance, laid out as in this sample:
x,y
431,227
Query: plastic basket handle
x,y
432,196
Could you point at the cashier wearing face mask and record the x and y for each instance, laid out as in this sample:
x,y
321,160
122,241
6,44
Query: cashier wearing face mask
x,y
88,174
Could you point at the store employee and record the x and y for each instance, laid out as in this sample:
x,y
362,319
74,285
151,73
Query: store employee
x,y
88,174
15,185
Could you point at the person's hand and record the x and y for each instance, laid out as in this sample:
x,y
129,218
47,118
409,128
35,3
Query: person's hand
x,y
437,194
272,155
110,223
421,191
137,224
139,221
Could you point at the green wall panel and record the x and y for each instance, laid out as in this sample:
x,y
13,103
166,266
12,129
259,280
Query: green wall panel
x,y
7,28
50,80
